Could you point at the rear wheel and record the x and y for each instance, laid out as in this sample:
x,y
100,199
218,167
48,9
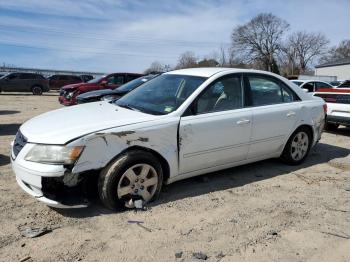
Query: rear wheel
x,y
37,90
135,175
297,147
331,127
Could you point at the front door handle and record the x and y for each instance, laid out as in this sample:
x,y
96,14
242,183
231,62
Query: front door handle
x,y
243,121
290,114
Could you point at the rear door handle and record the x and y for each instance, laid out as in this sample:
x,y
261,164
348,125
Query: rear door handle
x,y
290,114
243,121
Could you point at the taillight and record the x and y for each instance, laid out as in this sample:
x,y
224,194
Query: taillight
x,y
325,108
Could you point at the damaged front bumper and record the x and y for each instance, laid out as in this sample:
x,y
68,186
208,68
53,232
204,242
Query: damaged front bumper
x,y
47,187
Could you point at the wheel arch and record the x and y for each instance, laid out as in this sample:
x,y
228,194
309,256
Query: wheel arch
x,y
164,163
307,126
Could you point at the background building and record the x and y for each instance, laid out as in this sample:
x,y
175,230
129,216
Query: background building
x,y
339,68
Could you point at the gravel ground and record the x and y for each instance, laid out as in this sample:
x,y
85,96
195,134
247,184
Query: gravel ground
x,y
265,211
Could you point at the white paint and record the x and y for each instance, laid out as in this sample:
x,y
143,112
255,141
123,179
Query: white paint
x,y
208,142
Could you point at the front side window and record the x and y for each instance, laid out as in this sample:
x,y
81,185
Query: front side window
x,y
224,94
267,91
115,80
12,76
161,95
309,87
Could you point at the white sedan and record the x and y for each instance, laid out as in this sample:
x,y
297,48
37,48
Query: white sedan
x,y
312,86
178,125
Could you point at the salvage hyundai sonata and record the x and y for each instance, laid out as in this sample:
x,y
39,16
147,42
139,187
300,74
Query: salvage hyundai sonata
x,y
181,124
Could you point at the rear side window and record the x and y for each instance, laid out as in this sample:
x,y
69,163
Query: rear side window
x,y
13,76
320,85
268,91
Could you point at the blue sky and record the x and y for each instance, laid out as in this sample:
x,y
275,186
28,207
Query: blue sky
x,y
127,35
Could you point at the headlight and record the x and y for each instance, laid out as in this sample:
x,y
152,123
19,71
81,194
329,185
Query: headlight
x,y
70,95
64,155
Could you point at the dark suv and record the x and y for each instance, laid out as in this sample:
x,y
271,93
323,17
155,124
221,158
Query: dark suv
x,y
24,82
57,81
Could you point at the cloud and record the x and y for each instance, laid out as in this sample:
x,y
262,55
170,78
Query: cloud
x,y
116,35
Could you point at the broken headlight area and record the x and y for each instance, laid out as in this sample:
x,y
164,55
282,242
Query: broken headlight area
x,y
70,189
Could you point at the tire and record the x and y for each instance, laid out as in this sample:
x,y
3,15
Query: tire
x,y
116,189
330,126
37,90
298,147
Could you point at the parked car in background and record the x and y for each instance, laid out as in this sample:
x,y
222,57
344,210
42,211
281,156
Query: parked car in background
x,y
113,94
57,81
69,93
24,82
338,107
311,85
181,124
86,78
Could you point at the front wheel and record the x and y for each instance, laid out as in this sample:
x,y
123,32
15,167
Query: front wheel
x,y
135,175
37,90
297,147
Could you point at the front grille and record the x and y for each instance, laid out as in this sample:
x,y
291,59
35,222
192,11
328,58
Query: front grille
x,y
19,143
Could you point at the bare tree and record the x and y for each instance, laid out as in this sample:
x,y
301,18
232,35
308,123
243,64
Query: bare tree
x,y
338,52
187,60
259,40
305,47
156,66
210,62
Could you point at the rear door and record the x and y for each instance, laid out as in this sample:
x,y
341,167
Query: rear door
x,y
276,109
218,132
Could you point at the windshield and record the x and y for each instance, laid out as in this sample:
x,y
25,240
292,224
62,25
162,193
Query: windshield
x,y
96,80
135,83
161,95
5,75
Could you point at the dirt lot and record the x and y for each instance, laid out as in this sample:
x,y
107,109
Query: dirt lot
x,y
261,212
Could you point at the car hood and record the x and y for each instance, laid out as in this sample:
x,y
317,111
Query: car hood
x,y
75,86
65,124
98,93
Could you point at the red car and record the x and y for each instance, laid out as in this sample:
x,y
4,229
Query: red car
x,y
69,93
58,81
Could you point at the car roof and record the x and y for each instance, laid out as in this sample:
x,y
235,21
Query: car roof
x,y
210,71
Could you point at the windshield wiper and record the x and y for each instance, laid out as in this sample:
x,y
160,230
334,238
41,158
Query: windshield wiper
x,y
128,107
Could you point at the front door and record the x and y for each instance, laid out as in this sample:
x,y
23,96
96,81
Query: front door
x,y
217,133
